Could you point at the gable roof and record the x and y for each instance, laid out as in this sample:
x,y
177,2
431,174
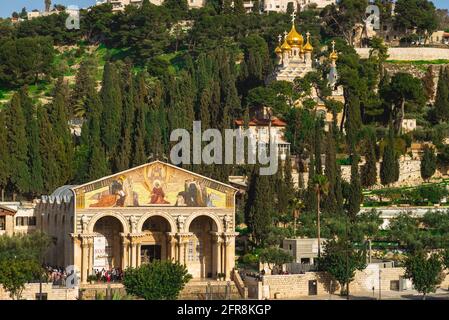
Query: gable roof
x,y
149,164
7,211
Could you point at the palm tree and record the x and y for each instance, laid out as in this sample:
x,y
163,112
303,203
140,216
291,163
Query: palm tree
x,y
321,187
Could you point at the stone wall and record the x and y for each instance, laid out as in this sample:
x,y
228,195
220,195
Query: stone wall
x,y
53,293
410,54
297,285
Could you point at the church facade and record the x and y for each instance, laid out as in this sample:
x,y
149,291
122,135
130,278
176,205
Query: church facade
x,y
156,211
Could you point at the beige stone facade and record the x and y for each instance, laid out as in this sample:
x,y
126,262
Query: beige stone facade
x,y
297,285
155,211
48,290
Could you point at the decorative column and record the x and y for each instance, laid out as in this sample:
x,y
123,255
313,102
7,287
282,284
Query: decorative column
x,y
139,257
216,253
125,255
229,248
91,257
84,260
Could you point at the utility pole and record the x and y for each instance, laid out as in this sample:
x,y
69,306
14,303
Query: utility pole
x,y
380,284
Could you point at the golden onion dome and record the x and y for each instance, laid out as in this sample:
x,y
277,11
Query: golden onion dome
x,y
333,56
308,47
278,50
294,39
285,46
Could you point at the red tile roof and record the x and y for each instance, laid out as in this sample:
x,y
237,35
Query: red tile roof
x,y
275,122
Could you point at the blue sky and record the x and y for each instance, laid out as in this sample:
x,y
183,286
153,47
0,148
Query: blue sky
x,y
8,6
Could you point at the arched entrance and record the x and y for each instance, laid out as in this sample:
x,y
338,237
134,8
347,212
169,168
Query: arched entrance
x,y
107,243
155,244
201,253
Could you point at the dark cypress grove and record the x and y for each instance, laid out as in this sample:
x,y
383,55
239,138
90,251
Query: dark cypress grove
x,y
19,181
34,155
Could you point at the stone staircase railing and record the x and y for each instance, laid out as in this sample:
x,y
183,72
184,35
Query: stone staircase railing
x,y
243,290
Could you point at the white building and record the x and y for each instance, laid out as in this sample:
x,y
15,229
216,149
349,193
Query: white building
x,y
119,5
281,5
16,217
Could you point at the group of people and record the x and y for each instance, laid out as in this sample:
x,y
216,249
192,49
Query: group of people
x,y
56,275
112,275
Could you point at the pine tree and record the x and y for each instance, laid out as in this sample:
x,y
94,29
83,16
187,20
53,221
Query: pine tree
x,y
389,168
369,169
256,6
428,163
97,159
442,97
19,181
4,155
32,131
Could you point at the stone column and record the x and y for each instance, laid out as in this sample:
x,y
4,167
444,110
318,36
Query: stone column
x,y
125,257
172,247
216,254
229,248
91,257
84,260
138,262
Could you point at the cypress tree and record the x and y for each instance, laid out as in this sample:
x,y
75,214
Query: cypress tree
x,y
34,156
310,198
48,152
258,210
112,109
84,81
369,169
317,146
428,163
389,168
4,156
19,181
355,195
330,201
139,156
353,121
442,97
58,116
124,148
97,159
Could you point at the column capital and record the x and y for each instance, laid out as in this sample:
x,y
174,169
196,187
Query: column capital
x,y
183,236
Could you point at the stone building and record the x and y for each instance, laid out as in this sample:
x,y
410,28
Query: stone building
x,y
154,211
16,218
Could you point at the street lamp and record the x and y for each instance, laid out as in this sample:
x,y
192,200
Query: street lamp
x,y
380,284
42,258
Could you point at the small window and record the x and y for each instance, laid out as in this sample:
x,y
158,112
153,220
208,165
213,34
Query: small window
x,y
3,223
